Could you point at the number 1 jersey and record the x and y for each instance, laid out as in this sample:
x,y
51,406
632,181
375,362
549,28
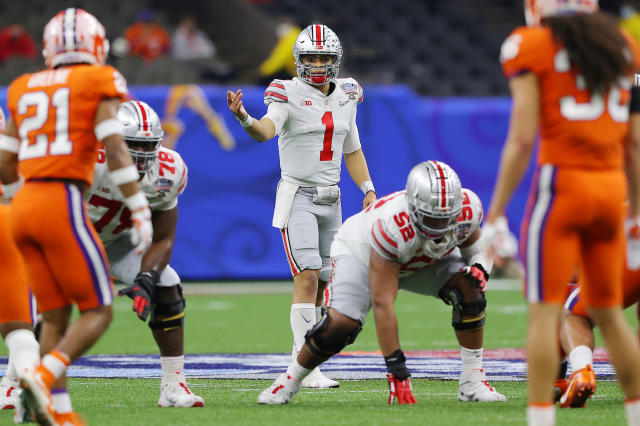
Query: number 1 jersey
x,y
54,111
161,184
314,129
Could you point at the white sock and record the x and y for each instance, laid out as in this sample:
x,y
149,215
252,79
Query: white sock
x,y
172,369
24,349
302,318
580,357
632,409
297,371
471,358
61,401
318,314
541,415
54,365
10,378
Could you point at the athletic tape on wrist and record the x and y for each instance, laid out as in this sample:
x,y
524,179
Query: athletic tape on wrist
x,y
10,189
9,143
247,122
107,128
136,202
124,175
367,186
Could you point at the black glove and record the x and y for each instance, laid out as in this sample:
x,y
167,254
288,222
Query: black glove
x,y
141,291
396,365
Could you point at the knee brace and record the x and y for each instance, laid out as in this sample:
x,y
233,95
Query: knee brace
x,y
475,310
171,313
325,346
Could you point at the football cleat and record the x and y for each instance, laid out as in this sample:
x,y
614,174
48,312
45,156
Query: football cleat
x,y
281,391
473,386
582,384
178,395
559,388
36,394
69,419
317,380
9,396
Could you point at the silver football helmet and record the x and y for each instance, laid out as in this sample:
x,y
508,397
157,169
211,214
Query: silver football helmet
x,y
142,132
317,40
434,195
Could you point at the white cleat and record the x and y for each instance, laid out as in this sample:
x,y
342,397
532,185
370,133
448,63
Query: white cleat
x,y
281,391
317,380
9,396
36,397
473,386
178,395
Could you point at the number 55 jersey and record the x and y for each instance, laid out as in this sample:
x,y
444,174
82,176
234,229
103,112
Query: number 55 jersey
x,y
165,180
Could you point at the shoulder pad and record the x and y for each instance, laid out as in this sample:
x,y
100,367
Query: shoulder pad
x,y
527,49
470,217
276,92
351,87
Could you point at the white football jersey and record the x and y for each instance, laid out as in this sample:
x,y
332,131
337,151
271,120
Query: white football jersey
x,y
386,228
314,130
161,184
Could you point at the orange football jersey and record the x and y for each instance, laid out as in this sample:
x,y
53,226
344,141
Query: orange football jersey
x,y
54,111
577,129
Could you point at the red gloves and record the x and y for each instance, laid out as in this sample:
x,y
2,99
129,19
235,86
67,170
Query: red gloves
x,y
400,390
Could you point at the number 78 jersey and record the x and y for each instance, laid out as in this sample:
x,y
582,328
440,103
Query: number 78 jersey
x,y
577,128
161,184
386,228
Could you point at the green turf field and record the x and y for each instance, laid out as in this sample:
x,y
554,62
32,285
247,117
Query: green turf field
x,y
260,323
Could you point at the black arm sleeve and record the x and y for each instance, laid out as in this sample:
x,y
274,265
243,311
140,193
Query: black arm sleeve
x,y
635,99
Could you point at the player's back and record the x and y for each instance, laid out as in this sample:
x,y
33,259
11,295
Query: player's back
x,y
577,128
54,111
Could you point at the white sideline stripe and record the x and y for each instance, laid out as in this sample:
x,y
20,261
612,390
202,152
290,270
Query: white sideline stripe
x,y
286,286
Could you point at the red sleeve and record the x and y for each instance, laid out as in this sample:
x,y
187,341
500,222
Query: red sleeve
x,y
527,49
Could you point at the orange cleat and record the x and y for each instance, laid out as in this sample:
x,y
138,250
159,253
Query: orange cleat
x,y
559,388
36,394
69,419
582,384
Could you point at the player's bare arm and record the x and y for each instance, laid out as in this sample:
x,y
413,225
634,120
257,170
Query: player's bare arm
x,y
518,148
261,130
383,276
9,159
164,233
359,172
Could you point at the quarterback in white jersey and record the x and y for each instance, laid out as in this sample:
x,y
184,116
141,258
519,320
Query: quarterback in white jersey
x,y
425,240
153,285
314,116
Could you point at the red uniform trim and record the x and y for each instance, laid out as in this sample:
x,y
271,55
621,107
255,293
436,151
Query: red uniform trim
x,y
443,185
381,246
184,172
145,120
277,95
294,271
277,85
386,237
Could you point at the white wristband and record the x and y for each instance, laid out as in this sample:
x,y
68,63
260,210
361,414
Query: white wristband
x,y
10,189
136,202
367,186
8,143
107,128
247,122
124,175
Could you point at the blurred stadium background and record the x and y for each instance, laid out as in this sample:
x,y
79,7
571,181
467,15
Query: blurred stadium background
x,y
431,77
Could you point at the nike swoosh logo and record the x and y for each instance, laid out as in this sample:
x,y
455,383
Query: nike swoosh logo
x,y
304,318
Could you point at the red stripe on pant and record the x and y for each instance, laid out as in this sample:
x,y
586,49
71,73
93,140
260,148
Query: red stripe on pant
x,y
287,249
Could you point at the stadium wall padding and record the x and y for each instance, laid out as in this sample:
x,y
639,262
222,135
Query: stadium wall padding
x,y
224,229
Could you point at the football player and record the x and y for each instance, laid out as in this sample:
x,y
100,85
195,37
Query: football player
x,y
314,116
569,73
58,118
424,239
15,311
151,282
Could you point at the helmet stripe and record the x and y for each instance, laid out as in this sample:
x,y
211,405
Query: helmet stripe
x,y
318,35
69,29
443,185
145,119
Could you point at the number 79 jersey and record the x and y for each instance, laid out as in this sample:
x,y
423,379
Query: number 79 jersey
x,y
161,184
577,129
386,228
